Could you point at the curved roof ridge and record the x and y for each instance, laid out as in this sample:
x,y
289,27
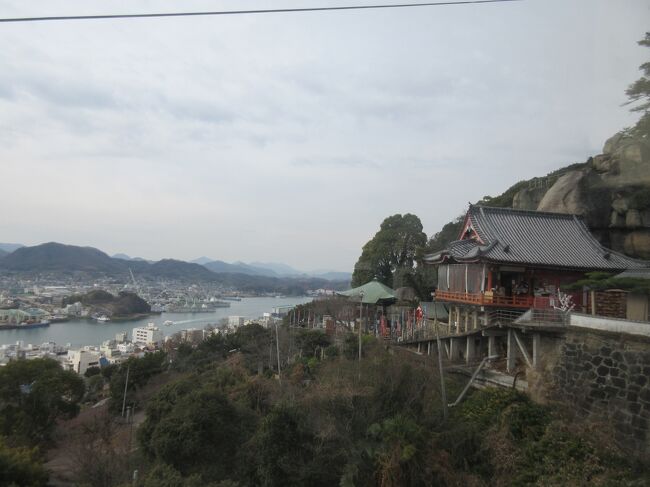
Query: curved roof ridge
x,y
530,212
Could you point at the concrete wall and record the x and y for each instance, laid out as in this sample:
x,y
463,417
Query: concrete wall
x,y
605,376
610,324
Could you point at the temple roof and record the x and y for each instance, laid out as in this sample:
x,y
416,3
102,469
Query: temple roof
x,y
531,237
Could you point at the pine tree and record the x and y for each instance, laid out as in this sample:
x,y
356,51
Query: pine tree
x,y
639,94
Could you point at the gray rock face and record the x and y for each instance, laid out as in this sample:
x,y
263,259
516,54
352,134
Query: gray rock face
x,y
628,160
606,193
637,243
567,195
632,219
528,198
621,205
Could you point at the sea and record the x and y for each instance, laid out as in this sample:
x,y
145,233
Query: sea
x,y
80,332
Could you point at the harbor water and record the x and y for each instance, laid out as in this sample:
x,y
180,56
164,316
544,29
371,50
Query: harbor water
x,y
79,332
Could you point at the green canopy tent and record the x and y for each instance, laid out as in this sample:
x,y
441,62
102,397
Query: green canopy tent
x,y
374,292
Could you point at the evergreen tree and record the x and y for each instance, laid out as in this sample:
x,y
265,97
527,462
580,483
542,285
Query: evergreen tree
x,y
394,248
639,92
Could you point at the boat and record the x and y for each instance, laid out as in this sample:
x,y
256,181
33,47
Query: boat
x,y
168,323
26,325
103,318
58,318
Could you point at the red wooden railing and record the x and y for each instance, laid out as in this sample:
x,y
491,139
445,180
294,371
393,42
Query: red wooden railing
x,y
527,302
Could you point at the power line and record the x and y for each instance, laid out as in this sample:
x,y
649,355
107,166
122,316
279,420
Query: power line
x,y
244,12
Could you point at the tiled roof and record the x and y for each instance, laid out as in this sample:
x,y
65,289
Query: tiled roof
x,y
533,237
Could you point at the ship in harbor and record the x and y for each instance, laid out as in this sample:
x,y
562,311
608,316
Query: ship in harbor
x,y
25,325
12,319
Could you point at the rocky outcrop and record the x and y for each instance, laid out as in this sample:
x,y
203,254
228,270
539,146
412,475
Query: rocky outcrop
x,y
611,191
529,198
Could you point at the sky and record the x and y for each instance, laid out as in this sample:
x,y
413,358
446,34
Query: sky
x,y
290,137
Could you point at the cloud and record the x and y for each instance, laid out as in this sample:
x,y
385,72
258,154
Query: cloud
x,y
290,138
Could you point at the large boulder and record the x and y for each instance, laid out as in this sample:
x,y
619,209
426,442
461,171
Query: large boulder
x,y
637,243
529,198
625,161
574,193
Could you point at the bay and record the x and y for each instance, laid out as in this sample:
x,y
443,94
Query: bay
x,y
80,332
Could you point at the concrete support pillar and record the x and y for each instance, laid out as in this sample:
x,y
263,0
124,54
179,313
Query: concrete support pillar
x,y
512,351
492,350
486,318
428,348
466,320
475,319
470,350
457,321
454,350
418,347
537,341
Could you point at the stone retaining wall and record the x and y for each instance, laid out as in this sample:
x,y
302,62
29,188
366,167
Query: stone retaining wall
x,y
607,377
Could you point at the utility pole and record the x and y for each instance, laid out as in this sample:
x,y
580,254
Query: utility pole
x,y
277,347
126,385
360,318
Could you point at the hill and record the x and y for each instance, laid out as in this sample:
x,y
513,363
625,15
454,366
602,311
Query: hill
x,y
54,256
3,253
611,191
10,247
178,269
239,268
125,304
67,259
278,268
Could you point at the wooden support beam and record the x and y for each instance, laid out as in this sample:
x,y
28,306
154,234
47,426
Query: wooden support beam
x,y
491,345
494,333
447,349
537,342
512,352
522,348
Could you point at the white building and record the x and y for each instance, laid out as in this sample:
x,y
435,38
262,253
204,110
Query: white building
x,y
125,348
81,360
150,335
235,321
193,335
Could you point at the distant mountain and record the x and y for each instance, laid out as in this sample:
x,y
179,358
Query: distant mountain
x,y
121,256
178,269
220,266
54,256
202,260
3,253
334,276
126,257
279,268
10,247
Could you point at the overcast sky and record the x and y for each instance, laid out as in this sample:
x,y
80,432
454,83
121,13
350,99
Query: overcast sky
x,y
290,137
